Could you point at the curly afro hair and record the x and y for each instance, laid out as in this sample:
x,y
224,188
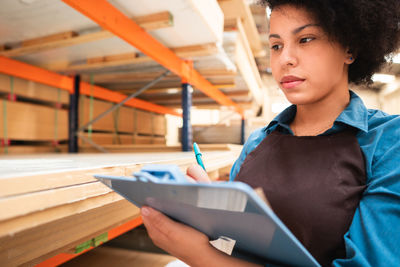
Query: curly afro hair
x,y
370,28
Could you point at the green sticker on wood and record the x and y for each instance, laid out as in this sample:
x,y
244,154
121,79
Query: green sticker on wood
x,y
100,239
84,246
94,242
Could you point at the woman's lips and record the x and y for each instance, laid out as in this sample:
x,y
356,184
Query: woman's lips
x,y
291,81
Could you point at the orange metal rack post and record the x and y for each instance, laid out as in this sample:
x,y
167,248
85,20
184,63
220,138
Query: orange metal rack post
x,y
111,19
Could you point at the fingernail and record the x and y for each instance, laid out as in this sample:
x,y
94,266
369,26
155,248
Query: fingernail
x,y
145,211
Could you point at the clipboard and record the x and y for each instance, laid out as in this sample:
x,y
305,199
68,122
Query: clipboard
x,y
218,209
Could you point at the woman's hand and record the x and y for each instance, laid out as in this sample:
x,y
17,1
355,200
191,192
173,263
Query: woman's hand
x,y
197,173
184,242
177,239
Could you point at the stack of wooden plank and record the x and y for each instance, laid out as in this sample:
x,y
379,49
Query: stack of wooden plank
x,y
123,126
52,204
33,117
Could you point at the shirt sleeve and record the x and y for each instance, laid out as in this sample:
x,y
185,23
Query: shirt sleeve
x,y
373,238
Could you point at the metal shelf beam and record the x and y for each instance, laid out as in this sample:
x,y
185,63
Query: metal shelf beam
x,y
111,19
25,71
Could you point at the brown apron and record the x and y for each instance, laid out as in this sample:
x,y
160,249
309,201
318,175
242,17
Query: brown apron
x,y
314,185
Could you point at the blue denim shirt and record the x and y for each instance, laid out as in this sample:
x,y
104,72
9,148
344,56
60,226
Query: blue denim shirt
x,y
373,238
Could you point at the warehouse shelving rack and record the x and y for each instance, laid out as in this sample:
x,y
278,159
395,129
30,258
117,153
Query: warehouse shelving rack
x,y
114,21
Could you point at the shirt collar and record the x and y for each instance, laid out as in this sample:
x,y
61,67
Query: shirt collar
x,y
355,115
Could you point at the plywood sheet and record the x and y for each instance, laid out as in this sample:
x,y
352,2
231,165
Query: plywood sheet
x,y
32,122
124,117
21,205
33,90
216,134
108,139
28,149
144,122
26,174
160,125
90,109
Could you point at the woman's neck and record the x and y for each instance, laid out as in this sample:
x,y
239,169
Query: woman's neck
x,y
316,118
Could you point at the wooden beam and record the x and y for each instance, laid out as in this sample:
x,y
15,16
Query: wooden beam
x,y
210,105
111,58
246,64
140,76
49,38
134,86
195,96
152,91
92,64
234,9
150,22
155,21
110,18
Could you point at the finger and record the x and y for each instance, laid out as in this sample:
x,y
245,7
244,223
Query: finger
x,y
198,174
157,236
190,179
158,222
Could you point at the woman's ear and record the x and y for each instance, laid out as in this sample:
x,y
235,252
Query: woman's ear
x,y
349,57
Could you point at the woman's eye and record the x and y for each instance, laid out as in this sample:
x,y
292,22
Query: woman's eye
x,y
276,47
306,39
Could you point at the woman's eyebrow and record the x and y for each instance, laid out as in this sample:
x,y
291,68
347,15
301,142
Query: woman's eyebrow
x,y
295,31
299,29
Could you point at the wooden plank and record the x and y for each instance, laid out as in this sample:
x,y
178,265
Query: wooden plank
x,y
21,205
27,182
111,58
160,148
49,38
196,50
23,223
109,256
33,122
108,139
155,21
28,149
4,47
143,140
97,107
239,9
23,175
80,39
196,96
158,140
246,64
216,134
25,88
143,122
34,245
185,51
152,21
159,125
140,75
46,232
124,118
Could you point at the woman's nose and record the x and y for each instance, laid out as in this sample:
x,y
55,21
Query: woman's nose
x,y
288,57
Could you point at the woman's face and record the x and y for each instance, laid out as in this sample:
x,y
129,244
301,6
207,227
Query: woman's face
x,y
305,63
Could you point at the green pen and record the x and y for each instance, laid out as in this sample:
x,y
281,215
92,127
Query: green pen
x,y
197,153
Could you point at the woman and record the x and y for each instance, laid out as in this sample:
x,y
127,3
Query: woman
x,y
329,167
